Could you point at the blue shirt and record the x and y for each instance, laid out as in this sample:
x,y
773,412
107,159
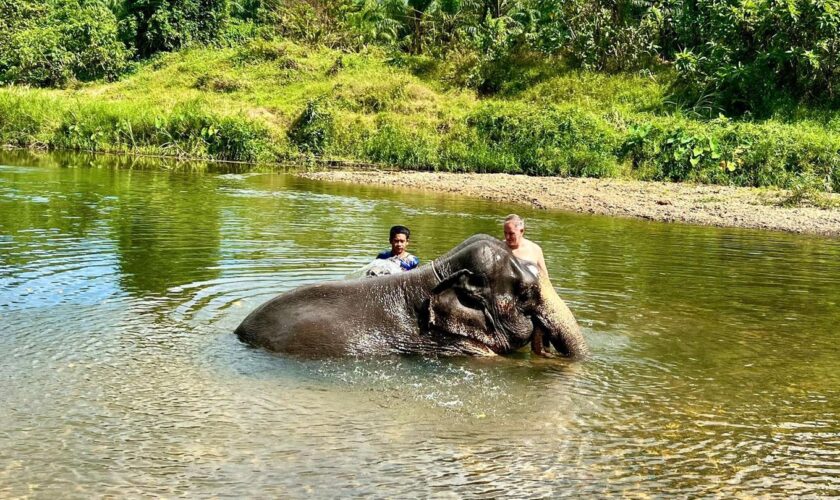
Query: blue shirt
x,y
407,264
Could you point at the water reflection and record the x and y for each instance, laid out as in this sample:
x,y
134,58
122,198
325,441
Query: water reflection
x,y
714,368
167,230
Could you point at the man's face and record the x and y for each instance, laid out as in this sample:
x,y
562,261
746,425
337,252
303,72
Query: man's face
x,y
398,244
513,234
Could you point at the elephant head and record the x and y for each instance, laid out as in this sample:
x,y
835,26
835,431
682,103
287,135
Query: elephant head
x,y
489,296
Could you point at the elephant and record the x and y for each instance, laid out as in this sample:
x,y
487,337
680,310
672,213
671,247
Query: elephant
x,y
478,299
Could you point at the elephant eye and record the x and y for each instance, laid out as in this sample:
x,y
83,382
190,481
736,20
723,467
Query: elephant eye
x,y
478,281
469,299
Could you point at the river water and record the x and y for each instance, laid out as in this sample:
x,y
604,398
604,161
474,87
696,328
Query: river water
x,y
715,367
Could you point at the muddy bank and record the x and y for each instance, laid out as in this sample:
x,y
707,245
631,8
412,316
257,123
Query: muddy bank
x,y
667,202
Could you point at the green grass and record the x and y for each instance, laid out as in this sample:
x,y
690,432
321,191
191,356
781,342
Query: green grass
x,y
277,101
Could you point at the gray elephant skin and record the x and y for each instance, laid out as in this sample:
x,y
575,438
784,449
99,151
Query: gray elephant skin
x,y
477,299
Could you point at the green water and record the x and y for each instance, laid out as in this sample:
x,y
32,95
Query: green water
x,y
715,367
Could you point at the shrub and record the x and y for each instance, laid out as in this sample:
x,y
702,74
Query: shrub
x,y
554,141
751,55
70,39
602,36
737,153
163,25
395,144
312,130
308,21
808,190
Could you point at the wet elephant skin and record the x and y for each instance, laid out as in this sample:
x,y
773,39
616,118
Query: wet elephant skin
x,y
477,299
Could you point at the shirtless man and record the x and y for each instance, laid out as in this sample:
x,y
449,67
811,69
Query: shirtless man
x,y
526,249
520,246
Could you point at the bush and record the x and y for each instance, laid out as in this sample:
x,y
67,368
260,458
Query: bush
x,y
749,56
312,130
394,144
555,141
309,21
163,25
725,152
71,39
16,16
601,36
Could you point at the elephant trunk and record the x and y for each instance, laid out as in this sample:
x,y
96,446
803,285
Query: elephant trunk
x,y
559,324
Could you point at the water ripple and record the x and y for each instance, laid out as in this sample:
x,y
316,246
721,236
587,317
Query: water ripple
x,y
714,368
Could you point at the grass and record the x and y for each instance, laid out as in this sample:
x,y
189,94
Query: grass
x,y
269,101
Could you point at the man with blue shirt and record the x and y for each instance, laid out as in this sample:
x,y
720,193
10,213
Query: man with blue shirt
x,y
398,253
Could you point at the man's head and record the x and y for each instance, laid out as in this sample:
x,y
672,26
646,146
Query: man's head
x,y
399,239
514,228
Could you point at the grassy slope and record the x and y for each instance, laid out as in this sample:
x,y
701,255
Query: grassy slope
x,y
240,103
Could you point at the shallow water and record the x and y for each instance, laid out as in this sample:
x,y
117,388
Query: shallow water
x,y
715,367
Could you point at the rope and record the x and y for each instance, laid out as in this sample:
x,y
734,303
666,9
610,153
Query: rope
x,y
437,274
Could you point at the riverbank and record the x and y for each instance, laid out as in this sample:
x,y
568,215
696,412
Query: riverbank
x,y
276,101
665,202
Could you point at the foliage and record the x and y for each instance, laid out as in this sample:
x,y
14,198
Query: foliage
x,y
540,115
556,141
808,190
163,25
727,152
740,57
188,131
307,21
372,21
24,116
750,55
613,35
52,45
393,144
312,130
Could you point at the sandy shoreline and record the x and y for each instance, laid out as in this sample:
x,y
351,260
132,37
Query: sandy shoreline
x,y
666,202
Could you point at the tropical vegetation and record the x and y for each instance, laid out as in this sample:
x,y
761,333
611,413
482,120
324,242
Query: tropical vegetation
x,y
742,92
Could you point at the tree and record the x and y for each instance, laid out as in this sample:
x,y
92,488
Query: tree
x,y
417,9
164,25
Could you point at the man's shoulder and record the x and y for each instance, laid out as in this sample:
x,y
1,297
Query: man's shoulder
x,y
534,247
385,254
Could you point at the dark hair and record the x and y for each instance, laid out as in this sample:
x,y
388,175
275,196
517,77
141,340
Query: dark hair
x,y
395,230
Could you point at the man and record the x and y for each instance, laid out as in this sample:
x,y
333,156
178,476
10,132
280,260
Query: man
x,y
398,253
522,247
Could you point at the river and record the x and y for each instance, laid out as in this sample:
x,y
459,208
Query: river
x,y
714,368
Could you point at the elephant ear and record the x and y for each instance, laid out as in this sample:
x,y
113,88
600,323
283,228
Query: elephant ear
x,y
457,279
456,307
